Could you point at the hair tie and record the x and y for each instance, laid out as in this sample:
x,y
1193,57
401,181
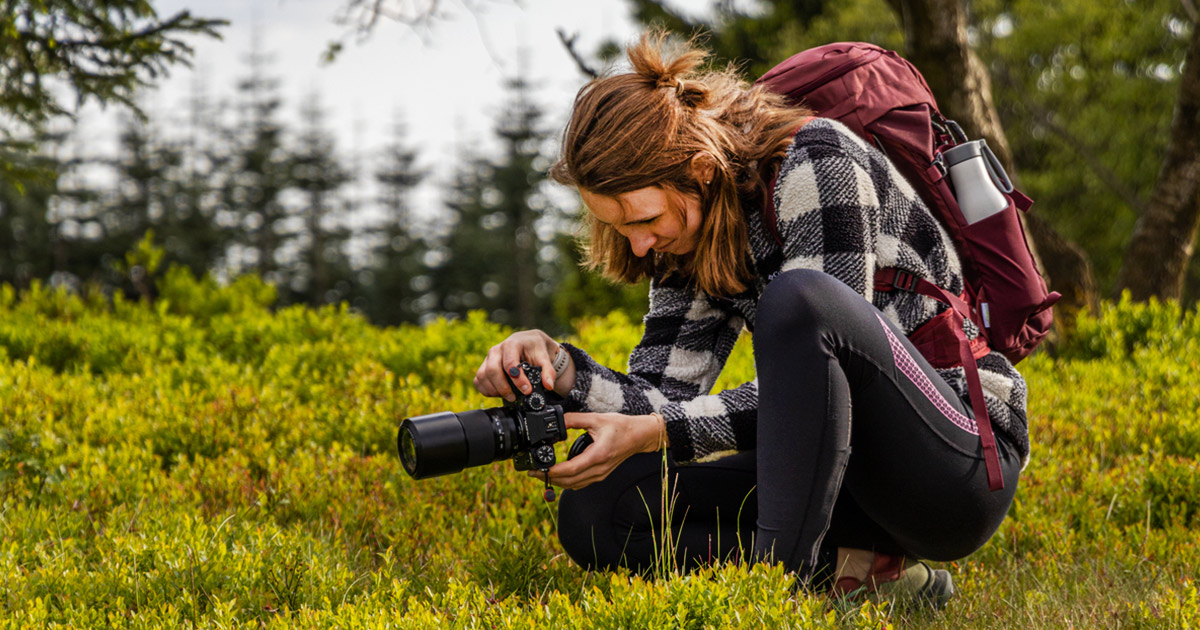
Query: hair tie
x,y
681,94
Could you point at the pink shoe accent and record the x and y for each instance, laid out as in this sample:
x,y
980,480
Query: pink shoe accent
x,y
917,376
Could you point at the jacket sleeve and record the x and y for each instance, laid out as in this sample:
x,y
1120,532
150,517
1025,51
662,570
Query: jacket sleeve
x,y
672,370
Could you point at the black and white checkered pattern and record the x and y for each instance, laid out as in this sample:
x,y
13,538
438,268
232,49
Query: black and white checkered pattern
x,y
842,209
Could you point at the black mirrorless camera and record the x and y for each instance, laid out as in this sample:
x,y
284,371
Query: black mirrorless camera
x,y
525,430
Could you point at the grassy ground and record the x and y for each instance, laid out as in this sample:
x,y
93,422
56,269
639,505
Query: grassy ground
x,y
202,462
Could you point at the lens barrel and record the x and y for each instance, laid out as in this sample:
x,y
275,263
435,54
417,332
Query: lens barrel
x,y
446,443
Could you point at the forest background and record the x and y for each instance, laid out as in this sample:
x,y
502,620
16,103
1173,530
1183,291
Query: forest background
x,y
1090,104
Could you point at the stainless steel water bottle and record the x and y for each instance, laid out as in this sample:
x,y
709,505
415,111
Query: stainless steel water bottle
x,y
980,182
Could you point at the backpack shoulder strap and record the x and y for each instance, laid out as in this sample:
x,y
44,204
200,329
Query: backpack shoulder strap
x,y
890,279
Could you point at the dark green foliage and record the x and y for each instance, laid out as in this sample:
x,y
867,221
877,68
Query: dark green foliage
x,y
157,190
585,293
1086,92
27,238
397,256
259,171
322,272
760,35
497,256
102,50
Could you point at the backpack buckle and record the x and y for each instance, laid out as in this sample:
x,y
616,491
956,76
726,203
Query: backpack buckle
x,y
903,280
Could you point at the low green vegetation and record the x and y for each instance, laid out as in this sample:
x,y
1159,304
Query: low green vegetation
x,y
204,462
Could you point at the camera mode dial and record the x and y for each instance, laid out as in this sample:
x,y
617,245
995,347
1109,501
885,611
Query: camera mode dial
x,y
535,401
544,456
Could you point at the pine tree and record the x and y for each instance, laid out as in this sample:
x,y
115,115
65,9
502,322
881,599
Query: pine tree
x,y
197,237
161,185
28,238
140,200
318,175
140,166
101,51
470,268
258,172
397,257
517,180
500,254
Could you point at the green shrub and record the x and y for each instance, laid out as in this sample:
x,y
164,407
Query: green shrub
x,y
205,461
1119,330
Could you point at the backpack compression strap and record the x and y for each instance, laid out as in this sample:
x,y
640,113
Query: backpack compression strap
x,y
892,278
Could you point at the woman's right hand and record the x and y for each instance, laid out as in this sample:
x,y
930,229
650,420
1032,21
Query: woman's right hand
x,y
531,346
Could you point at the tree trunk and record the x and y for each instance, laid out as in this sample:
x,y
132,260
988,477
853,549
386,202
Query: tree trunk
x,y
936,35
1163,237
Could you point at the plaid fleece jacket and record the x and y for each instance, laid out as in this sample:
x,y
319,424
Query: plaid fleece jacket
x,y
843,209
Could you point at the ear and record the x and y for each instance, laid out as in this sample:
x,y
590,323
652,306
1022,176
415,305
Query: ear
x,y
703,166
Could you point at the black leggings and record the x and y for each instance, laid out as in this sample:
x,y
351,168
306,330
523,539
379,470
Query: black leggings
x,y
834,374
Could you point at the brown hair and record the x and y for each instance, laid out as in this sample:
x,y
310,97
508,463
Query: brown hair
x,y
643,128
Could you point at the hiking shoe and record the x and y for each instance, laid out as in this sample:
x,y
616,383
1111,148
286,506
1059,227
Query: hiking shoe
x,y
920,585
906,584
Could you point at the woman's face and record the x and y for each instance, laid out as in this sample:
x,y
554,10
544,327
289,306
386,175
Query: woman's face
x,y
651,218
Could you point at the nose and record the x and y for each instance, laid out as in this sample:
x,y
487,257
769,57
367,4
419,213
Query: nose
x,y
641,242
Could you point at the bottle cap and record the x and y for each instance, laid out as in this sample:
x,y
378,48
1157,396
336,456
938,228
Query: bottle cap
x,y
963,152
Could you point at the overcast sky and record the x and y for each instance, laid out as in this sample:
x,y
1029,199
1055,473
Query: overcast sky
x,y
445,81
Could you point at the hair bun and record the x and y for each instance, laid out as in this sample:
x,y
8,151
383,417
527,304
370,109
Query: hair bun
x,y
651,59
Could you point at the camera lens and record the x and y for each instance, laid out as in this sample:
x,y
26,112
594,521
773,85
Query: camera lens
x,y
445,443
408,450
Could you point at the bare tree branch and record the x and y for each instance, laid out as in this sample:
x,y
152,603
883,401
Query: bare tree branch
x,y
360,17
363,15
569,44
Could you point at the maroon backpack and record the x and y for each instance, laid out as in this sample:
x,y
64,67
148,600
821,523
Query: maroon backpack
x,y
883,99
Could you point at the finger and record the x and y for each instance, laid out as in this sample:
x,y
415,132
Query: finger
x,y
590,466
580,420
510,361
540,356
483,378
482,384
495,375
584,478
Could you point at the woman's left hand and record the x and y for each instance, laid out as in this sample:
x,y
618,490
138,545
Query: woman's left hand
x,y
615,437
